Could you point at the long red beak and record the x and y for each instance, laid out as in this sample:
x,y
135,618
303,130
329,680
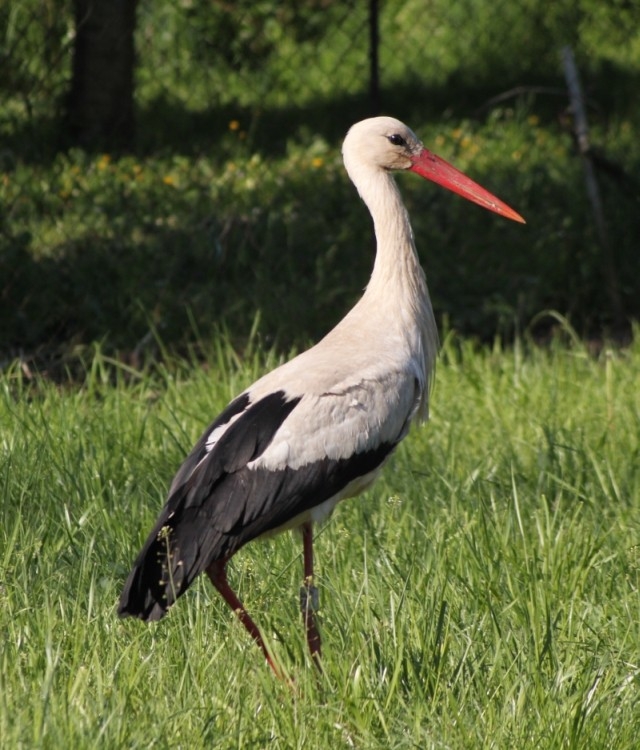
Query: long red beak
x,y
437,170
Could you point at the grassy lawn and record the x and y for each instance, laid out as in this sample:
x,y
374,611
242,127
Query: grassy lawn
x,y
485,593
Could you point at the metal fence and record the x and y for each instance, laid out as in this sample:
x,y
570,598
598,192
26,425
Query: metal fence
x,y
209,53
291,54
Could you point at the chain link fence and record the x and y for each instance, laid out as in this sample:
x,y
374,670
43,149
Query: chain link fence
x,y
372,55
300,53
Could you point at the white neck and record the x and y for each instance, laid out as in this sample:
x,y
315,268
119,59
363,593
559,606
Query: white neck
x,y
397,282
396,268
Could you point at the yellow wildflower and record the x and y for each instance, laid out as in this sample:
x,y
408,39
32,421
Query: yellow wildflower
x,y
317,162
234,125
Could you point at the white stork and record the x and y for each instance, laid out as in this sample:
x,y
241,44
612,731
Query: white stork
x,y
319,428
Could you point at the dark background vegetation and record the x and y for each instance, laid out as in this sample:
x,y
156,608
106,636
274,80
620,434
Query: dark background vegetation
x,y
216,192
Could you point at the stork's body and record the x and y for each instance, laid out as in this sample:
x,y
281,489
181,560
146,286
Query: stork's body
x,y
320,427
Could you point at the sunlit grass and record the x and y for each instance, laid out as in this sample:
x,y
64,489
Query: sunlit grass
x,y
485,593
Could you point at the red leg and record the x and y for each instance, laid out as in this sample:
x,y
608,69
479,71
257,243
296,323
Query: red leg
x,y
217,573
309,595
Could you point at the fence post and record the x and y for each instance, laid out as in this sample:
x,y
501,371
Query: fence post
x,y
581,130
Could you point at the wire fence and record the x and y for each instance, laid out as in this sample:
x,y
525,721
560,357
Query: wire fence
x,y
208,53
291,54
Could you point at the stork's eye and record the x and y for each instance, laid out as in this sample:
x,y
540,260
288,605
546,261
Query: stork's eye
x,y
397,140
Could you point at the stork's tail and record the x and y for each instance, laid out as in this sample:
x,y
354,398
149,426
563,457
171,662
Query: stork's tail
x,y
162,572
144,599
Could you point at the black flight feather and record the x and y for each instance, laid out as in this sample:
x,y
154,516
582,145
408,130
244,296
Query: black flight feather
x,y
199,451
219,504
184,541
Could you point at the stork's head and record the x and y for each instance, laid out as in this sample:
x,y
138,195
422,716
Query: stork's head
x,y
388,144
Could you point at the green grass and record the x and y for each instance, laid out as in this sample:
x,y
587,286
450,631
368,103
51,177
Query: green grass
x,y
485,593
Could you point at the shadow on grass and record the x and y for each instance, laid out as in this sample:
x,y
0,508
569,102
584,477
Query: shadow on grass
x,y
296,262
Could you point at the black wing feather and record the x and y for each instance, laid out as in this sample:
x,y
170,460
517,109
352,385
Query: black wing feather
x,y
184,539
199,451
220,504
